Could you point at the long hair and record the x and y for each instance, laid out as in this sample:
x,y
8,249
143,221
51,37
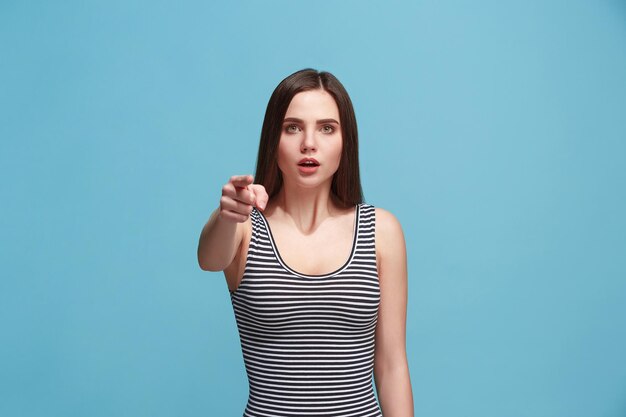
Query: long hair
x,y
346,182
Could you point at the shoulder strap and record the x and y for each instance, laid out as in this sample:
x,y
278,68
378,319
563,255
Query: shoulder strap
x,y
367,227
257,225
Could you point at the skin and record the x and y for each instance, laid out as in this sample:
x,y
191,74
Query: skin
x,y
304,218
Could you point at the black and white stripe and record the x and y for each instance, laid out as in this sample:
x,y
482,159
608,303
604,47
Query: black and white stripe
x,y
308,340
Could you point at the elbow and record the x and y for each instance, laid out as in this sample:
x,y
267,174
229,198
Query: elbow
x,y
393,364
206,265
209,267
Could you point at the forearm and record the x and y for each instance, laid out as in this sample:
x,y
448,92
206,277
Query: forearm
x,y
216,246
393,386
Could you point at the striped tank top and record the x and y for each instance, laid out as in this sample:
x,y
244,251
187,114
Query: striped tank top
x,y
308,340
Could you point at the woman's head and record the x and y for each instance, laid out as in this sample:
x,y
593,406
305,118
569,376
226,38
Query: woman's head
x,y
345,185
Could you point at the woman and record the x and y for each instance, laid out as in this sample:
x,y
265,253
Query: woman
x,y
317,277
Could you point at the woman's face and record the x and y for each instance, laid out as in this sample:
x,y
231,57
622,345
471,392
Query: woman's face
x,y
311,129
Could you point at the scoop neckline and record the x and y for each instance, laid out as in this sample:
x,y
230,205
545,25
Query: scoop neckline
x,y
355,235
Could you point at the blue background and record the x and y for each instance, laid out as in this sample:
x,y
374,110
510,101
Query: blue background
x,y
494,130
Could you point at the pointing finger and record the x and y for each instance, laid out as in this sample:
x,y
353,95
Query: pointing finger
x,y
241,181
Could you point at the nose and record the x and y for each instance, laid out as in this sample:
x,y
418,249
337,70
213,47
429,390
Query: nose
x,y
308,141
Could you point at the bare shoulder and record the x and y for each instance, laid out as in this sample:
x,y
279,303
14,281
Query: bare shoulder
x,y
388,227
390,243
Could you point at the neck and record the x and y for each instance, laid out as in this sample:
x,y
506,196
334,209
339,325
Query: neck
x,y
306,207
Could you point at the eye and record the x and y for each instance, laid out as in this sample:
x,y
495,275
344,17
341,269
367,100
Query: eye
x,y
328,129
292,128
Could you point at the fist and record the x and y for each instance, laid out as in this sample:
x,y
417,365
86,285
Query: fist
x,y
239,195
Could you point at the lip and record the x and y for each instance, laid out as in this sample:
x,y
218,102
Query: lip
x,y
308,170
303,160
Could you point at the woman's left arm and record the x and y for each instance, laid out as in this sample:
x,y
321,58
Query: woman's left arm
x,y
391,369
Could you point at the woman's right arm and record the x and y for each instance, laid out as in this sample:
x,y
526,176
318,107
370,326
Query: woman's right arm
x,y
223,232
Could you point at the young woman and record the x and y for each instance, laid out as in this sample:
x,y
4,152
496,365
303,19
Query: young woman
x,y
317,277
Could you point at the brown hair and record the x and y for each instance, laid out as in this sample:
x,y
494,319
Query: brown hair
x,y
346,183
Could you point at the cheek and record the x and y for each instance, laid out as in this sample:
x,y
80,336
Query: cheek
x,y
338,149
283,153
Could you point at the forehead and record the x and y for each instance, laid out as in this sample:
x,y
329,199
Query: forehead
x,y
313,104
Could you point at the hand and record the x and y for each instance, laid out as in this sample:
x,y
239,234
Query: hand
x,y
239,195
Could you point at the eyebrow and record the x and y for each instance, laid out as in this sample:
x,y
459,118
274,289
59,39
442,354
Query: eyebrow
x,y
319,122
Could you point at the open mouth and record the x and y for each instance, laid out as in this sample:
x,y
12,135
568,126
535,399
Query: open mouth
x,y
308,162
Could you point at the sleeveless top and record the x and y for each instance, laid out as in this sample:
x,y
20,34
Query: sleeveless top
x,y
308,340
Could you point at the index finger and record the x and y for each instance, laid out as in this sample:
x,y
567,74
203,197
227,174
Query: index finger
x,y
241,181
